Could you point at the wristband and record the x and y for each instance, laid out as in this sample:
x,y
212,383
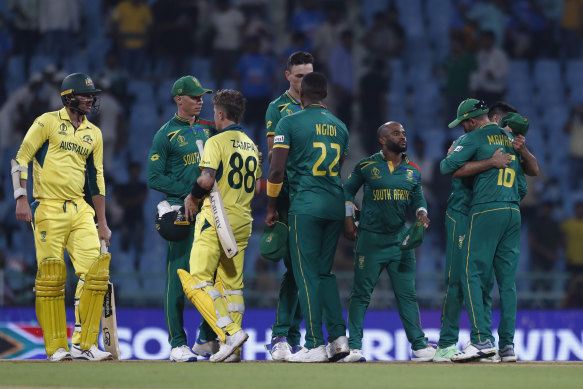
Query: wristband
x,y
273,189
199,192
421,209
349,208
19,192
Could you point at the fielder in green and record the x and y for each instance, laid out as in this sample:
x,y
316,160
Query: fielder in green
x,y
493,234
172,169
392,187
313,143
285,335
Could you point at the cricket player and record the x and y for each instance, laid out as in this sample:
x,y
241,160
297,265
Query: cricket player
x,y
493,229
392,186
65,148
231,160
173,167
313,143
285,335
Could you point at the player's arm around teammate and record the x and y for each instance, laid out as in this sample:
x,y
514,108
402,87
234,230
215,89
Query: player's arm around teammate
x,y
65,148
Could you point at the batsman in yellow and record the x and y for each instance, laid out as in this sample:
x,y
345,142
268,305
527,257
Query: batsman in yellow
x,y
64,148
230,159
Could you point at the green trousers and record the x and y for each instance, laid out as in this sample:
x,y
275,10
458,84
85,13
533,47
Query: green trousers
x,y
493,247
368,265
178,257
288,315
312,243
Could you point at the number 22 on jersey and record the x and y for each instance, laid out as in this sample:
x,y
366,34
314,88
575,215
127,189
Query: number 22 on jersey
x,y
333,167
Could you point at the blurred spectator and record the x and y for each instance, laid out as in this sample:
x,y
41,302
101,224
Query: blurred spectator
x,y
384,39
519,42
52,89
457,67
373,89
307,18
297,43
527,13
25,21
119,78
131,22
6,46
341,78
60,24
109,119
255,74
227,27
490,16
544,238
256,25
574,127
574,296
488,82
573,231
131,196
327,35
173,33
572,28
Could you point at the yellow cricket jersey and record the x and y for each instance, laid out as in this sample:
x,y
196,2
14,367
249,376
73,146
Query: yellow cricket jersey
x,y
236,159
61,154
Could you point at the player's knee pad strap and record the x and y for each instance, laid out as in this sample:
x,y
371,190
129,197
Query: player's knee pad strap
x,y
235,301
91,300
206,299
50,303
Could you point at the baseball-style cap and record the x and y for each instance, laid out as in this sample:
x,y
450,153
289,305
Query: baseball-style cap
x,y
188,85
273,242
469,108
517,123
413,237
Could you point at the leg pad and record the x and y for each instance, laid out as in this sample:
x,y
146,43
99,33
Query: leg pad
x,y
91,300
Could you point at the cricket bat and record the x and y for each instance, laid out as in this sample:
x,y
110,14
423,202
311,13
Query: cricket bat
x,y
222,224
108,318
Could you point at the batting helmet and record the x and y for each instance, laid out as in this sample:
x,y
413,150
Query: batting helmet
x,y
77,84
173,226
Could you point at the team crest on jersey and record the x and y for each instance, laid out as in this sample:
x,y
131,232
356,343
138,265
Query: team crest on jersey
x,y
375,173
460,240
361,262
43,235
87,139
269,123
154,157
63,129
409,175
289,111
181,141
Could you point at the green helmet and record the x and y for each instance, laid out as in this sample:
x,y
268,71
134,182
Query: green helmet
x,y
173,226
76,84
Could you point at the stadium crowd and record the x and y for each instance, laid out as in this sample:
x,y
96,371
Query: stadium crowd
x,y
410,61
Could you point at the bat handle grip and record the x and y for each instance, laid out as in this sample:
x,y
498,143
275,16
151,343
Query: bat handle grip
x,y
103,246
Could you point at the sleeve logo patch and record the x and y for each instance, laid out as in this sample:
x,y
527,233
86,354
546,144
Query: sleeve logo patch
x,y
269,123
278,139
459,148
155,157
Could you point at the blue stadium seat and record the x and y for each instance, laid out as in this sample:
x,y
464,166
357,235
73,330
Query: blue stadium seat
x,y
17,77
142,90
369,7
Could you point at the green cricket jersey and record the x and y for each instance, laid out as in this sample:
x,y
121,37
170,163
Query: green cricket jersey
x,y
173,161
282,106
317,140
494,184
461,190
387,194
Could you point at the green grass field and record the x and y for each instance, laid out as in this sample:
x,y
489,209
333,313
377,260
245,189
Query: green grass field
x,y
269,375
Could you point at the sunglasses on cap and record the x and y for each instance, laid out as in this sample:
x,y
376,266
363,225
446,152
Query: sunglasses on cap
x,y
480,105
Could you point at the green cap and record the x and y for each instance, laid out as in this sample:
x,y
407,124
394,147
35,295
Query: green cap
x,y
517,123
273,242
188,85
413,237
469,108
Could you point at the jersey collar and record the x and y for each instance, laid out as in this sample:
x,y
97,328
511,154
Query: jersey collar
x,y
64,115
234,127
315,106
488,124
293,100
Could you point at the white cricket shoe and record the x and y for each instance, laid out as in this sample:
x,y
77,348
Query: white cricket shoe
x,y
93,354
182,354
423,355
233,358
205,349
337,349
279,349
355,356
310,355
60,355
475,351
232,342
493,359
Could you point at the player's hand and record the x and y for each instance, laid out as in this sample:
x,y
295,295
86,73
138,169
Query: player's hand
x,y
271,217
519,144
422,216
500,160
23,212
190,207
350,228
104,232
450,150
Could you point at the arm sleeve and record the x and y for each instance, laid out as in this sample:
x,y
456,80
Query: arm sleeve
x,y
158,178
522,184
36,135
353,183
417,196
462,152
95,179
272,117
282,136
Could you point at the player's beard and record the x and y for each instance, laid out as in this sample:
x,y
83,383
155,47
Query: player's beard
x,y
396,147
